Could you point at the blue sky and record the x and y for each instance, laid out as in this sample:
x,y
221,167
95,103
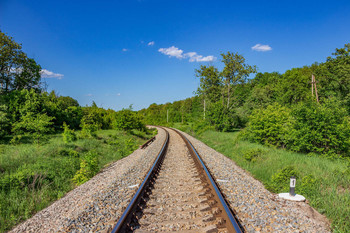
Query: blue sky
x,y
101,50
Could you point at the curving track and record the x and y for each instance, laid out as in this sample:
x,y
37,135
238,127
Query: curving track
x,y
178,194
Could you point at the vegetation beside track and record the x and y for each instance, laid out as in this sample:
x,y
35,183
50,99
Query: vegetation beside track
x,y
323,181
34,175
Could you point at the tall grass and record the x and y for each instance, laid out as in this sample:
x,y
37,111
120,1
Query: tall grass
x,y
324,182
32,176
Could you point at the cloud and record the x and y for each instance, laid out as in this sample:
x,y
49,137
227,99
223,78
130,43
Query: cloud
x,y
172,52
124,49
261,48
199,58
49,74
178,53
89,95
151,43
118,94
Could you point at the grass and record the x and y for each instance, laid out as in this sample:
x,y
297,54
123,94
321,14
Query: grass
x,y
324,182
32,176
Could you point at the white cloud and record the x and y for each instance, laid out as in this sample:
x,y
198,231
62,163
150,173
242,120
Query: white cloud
x,y
118,94
89,94
49,74
172,52
261,48
124,49
199,58
178,53
151,43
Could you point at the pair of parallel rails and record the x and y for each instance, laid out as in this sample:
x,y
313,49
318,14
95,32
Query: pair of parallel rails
x,y
126,222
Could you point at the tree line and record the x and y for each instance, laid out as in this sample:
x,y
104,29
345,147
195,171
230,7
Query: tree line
x,y
291,110
27,111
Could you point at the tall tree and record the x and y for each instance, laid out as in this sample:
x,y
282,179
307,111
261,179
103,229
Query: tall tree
x,y
235,72
210,82
17,71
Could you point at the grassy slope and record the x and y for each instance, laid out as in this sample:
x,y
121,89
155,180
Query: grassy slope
x,y
41,174
330,193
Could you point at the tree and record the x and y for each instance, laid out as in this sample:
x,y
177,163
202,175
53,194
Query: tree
x,y
236,71
17,71
334,74
210,83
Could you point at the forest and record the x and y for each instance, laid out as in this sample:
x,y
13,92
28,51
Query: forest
x,y
304,109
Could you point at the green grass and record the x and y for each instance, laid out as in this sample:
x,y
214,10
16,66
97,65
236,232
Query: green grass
x,y
324,182
32,176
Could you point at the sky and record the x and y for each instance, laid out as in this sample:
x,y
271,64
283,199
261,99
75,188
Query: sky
x,y
138,52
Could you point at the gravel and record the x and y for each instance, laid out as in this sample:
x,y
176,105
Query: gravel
x,y
258,209
96,205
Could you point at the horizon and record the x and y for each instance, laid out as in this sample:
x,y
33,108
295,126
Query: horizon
x,y
143,52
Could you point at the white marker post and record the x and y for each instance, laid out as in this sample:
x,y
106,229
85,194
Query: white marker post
x,y
292,186
291,196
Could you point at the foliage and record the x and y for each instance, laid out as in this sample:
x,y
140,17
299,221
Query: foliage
x,y
68,134
280,180
270,126
3,121
36,125
127,120
251,155
88,168
17,70
321,128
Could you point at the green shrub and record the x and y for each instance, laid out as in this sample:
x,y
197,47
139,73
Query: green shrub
x,y
321,128
308,185
88,168
68,134
222,118
280,180
270,126
201,126
88,130
127,120
252,154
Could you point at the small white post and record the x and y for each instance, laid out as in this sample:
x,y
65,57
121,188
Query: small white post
x,y
292,186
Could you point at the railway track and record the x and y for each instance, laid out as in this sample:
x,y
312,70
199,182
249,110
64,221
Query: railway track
x,y
178,194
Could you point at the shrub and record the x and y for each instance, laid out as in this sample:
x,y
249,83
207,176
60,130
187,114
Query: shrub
x,y
68,134
252,154
321,128
127,120
270,126
88,168
280,180
88,130
222,118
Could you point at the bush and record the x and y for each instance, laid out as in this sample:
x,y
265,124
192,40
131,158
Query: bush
x,y
252,154
88,130
222,118
270,126
321,128
280,180
68,134
88,168
127,120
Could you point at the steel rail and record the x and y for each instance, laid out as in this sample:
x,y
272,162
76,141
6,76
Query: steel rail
x,y
233,221
133,203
